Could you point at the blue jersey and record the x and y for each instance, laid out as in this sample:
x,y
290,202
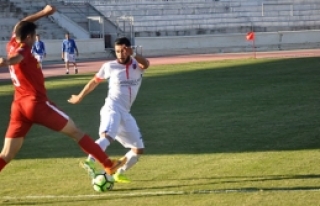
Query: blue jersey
x,y
69,46
38,48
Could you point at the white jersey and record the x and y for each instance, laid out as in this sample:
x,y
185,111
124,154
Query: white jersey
x,y
124,83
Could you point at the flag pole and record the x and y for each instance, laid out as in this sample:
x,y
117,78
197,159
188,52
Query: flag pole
x,y
251,37
254,48
253,42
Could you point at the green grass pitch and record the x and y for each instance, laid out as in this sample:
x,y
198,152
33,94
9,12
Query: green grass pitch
x,y
227,133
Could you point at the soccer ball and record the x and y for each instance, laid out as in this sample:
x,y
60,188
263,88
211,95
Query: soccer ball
x,y
102,182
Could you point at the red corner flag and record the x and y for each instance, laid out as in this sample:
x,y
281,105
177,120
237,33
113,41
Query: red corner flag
x,y
250,36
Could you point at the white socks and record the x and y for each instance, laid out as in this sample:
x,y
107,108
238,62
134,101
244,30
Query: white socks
x,y
132,159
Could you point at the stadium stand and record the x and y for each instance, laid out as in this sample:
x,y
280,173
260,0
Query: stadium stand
x,y
152,18
9,15
14,10
78,12
181,17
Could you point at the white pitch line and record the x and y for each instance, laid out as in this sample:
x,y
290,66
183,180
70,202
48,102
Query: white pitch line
x,y
155,193
95,196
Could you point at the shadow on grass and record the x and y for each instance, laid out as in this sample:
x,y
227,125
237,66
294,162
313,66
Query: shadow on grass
x,y
221,107
194,182
250,178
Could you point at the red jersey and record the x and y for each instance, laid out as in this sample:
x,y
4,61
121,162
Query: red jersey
x,y
27,76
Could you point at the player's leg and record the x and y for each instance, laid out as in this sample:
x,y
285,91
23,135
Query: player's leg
x,y
132,157
109,124
39,59
130,137
50,116
10,148
67,67
14,137
75,68
73,61
86,143
66,62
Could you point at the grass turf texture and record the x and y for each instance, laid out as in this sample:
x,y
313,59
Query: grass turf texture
x,y
236,132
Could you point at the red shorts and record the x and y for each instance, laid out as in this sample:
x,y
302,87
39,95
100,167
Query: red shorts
x,y
29,111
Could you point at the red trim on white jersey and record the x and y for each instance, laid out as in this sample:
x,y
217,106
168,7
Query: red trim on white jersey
x,y
128,76
97,79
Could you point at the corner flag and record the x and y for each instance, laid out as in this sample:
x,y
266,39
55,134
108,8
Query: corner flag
x,y
250,36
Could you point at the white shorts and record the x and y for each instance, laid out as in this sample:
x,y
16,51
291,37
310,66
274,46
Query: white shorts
x,y
121,126
69,57
39,57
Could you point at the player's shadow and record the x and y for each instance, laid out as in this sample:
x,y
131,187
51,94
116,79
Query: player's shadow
x,y
261,106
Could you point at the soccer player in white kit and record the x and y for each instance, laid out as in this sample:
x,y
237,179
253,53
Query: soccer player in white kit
x,y
124,75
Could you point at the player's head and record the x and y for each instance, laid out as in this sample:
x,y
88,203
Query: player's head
x,y
120,46
67,35
26,32
38,37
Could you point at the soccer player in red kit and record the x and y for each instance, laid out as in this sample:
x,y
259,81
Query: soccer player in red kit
x,y
31,104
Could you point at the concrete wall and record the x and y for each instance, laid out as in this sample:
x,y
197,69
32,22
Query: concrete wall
x,y
162,46
265,41
307,39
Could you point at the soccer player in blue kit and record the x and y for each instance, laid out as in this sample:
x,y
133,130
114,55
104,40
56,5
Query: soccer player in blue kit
x,y
39,50
69,53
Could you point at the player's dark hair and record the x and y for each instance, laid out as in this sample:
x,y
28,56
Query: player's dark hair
x,y
122,40
25,28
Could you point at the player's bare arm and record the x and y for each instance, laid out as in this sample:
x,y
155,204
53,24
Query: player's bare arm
x,y
143,62
16,59
3,62
89,87
46,11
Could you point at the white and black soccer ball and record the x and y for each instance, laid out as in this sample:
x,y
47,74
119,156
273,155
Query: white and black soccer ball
x,y
102,182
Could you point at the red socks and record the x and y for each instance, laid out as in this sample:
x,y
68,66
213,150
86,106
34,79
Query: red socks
x,y
90,147
3,163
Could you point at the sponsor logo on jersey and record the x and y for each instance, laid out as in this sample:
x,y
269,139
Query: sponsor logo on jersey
x,y
130,82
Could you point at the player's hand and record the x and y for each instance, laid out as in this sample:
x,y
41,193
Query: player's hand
x,y
49,10
3,62
129,50
74,99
